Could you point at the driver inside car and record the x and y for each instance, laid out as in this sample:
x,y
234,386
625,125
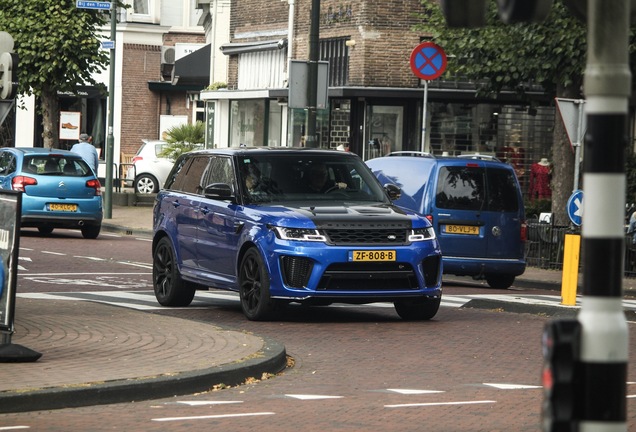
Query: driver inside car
x,y
318,180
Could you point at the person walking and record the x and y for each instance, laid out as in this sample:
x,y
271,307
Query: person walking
x,y
87,151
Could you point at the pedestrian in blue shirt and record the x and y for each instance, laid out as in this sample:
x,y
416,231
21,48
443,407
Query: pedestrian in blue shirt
x,y
87,151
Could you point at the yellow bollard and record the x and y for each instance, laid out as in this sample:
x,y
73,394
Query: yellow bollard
x,y
570,276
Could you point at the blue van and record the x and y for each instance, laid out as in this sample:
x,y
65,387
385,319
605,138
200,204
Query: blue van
x,y
475,205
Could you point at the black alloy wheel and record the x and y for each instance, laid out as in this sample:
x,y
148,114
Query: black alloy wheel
x,y
170,289
254,288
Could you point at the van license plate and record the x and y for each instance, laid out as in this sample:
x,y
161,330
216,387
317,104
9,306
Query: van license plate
x,y
63,207
462,229
373,255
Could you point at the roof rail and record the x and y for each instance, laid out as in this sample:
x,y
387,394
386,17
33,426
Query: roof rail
x,y
411,153
479,156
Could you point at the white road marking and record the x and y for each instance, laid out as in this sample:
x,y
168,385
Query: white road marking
x,y
311,397
413,392
53,253
219,416
204,403
25,259
90,258
439,404
5,428
512,386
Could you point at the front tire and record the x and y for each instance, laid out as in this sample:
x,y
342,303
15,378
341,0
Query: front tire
x,y
170,289
146,184
422,309
256,302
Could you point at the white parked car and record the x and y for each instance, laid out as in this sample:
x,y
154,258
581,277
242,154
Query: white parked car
x,y
149,171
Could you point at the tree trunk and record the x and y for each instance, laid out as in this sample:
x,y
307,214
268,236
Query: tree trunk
x,y
50,117
562,162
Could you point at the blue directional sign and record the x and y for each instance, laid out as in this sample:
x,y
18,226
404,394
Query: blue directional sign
x,y
108,44
575,207
101,5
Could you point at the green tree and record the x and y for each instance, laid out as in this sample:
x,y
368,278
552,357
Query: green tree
x,y
500,56
59,49
183,138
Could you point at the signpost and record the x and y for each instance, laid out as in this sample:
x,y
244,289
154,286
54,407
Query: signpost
x,y
428,62
573,115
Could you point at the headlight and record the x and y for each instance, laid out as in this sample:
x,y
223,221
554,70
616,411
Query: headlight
x,y
422,234
299,234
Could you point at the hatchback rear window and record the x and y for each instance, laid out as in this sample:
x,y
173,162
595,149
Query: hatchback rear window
x,y
476,188
56,165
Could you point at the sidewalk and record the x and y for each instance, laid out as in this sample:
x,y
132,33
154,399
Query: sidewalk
x,y
98,354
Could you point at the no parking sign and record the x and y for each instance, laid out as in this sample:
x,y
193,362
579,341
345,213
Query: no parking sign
x,y
428,61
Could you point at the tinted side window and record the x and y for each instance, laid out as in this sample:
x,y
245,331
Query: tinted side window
x,y
460,188
7,163
502,191
193,173
219,171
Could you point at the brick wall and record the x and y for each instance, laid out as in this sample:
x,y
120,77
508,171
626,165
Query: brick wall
x,y
140,106
381,29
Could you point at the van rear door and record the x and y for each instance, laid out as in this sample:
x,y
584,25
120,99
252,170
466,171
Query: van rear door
x,y
458,209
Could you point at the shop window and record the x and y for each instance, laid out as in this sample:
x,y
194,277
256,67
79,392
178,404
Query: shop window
x,y
247,122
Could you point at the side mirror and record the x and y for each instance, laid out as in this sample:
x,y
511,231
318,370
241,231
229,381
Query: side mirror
x,y
394,191
220,191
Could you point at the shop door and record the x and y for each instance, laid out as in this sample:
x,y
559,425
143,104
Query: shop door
x,y
383,132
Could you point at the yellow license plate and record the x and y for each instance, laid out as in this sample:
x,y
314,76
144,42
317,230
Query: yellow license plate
x,y
63,207
374,255
462,229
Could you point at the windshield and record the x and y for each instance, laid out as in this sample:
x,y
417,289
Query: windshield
x,y
280,178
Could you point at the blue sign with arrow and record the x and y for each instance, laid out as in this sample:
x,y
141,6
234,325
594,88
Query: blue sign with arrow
x,y
575,207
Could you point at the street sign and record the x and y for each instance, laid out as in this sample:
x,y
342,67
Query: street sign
x,y
575,207
108,44
101,5
428,61
573,117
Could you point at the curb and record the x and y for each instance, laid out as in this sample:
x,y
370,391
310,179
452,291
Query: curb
x,y
272,358
114,228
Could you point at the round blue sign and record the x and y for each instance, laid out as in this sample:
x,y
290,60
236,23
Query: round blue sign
x,y
428,61
575,207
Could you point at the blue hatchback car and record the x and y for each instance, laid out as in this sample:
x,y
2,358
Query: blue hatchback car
x,y
284,225
59,189
475,205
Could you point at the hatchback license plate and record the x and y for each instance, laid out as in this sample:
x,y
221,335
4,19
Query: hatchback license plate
x,y
63,207
374,255
462,229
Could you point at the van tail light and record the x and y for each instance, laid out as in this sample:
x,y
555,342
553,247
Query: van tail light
x,y
137,159
430,218
94,184
524,231
20,182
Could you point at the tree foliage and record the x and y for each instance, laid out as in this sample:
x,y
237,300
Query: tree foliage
x,y
182,139
58,46
499,56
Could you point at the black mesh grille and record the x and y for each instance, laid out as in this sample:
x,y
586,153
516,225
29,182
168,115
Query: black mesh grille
x,y
430,266
296,271
368,276
368,236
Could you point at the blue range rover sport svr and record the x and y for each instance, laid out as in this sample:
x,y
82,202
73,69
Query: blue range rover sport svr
x,y
284,225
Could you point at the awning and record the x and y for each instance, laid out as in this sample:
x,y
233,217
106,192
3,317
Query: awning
x,y
245,47
193,69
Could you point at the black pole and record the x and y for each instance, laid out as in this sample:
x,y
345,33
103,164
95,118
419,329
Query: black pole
x,y
312,75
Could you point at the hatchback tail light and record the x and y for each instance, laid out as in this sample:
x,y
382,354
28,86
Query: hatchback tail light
x,y
95,184
20,182
524,231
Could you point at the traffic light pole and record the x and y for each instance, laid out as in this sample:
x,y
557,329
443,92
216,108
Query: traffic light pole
x,y
603,355
110,140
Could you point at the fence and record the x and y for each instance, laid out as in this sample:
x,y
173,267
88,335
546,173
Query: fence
x,y
545,245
